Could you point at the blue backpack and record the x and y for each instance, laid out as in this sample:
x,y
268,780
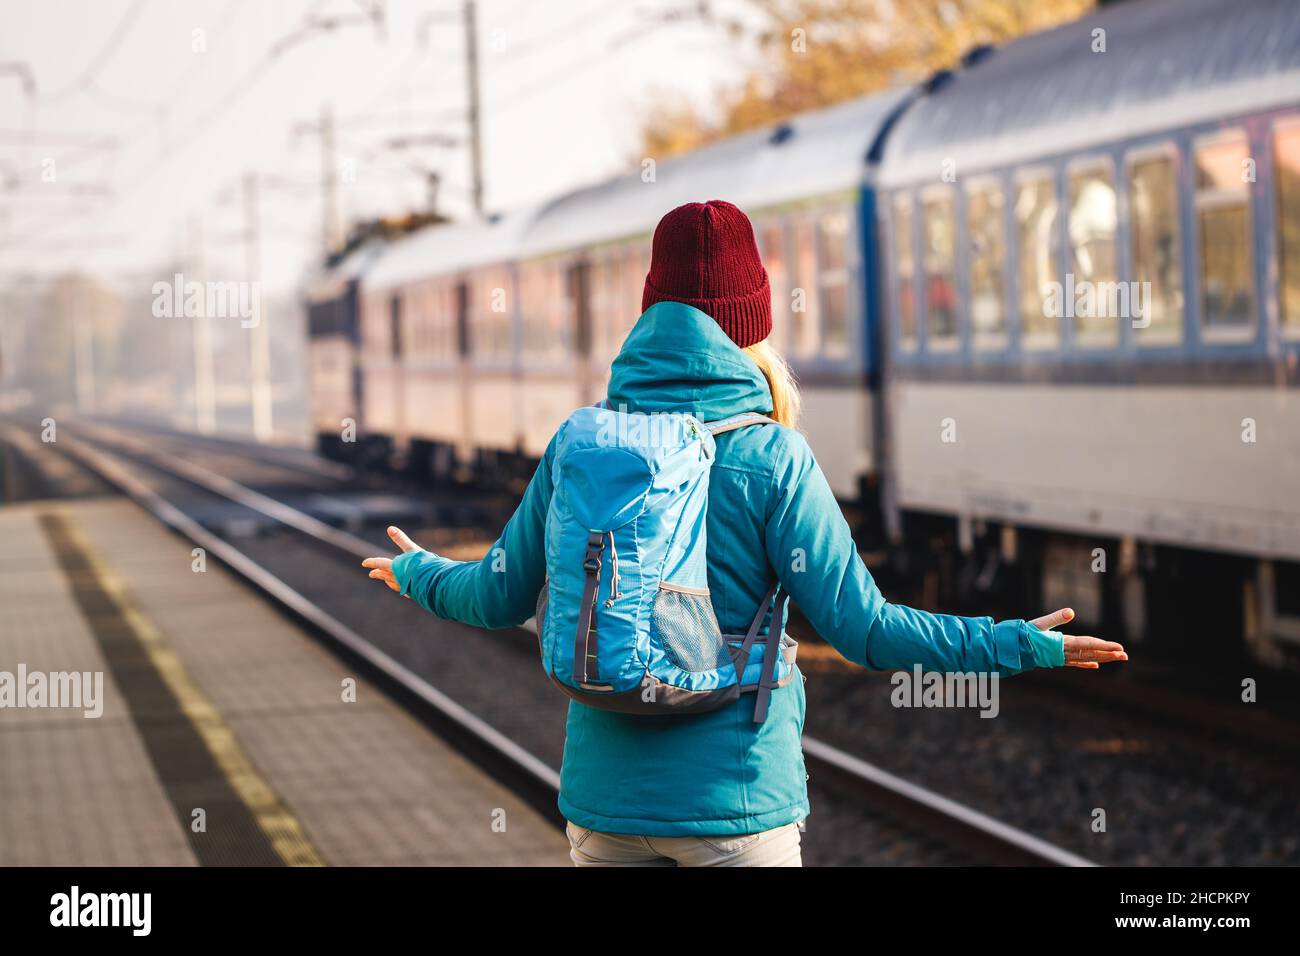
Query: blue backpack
x,y
624,622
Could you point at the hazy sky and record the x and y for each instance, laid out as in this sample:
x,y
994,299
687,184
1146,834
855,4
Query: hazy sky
x,y
147,114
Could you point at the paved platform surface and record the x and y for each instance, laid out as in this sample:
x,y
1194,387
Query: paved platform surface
x,y
227,735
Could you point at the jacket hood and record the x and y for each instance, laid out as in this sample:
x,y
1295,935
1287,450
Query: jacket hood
x,y
677,359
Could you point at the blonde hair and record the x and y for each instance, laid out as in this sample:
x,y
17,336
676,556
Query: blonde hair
x,y
786,401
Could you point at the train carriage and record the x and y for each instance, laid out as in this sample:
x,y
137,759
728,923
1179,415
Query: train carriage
x,y
1093,261
440,337
332,300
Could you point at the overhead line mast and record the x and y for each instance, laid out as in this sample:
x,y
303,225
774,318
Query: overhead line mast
x,y
475,128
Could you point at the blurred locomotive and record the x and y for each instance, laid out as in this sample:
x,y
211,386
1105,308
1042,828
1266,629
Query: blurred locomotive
x,y
926,247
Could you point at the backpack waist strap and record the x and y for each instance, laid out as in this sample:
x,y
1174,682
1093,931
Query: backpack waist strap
x,y
772,652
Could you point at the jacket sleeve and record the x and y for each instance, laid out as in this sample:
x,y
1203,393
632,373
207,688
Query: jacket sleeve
x,y
499,591
811,547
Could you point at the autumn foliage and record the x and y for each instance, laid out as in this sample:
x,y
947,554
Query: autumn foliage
x,y
817,52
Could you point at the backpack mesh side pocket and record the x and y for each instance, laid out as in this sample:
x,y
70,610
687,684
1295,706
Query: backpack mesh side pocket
x,y
688,631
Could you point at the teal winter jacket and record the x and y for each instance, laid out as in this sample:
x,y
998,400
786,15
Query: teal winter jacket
x,y
771,516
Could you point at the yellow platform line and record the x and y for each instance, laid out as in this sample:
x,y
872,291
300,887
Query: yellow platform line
x,y
283,830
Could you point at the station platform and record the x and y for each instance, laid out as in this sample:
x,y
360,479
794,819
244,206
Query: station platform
x,y
227,734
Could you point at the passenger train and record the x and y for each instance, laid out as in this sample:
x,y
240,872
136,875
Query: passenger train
x,y
1045,305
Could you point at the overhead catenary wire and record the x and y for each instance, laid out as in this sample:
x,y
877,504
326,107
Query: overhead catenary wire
x,y
320,18
159,109
105,55
182,140
224,102
567,30
613,47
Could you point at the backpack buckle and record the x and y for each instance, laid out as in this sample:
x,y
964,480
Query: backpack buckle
x,y
595,545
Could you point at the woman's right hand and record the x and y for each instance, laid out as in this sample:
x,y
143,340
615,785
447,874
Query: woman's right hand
x,y
1086,652
381,569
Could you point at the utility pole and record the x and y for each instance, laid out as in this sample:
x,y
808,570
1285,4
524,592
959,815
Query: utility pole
x,y
475,128
332,231
379,16
473,108
83,328
259,342
205,407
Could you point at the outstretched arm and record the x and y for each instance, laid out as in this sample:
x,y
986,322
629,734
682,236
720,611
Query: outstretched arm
x,y
811,547
498,591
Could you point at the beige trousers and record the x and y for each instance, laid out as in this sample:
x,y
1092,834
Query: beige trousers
x,y
776,847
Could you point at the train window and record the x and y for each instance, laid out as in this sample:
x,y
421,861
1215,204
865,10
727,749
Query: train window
x,y
905,272
490,310
419,303
1038,242
532,292
1223,225
833,280
1092,223
431,319
938,247
546,337
415,322
803,297
635,265
560,314
440,342
615,327
984,225
547,316
613,313
1156,246
619,319
374,332
410,321
604,303
631,285
442,320
771,244
1286,146
804,305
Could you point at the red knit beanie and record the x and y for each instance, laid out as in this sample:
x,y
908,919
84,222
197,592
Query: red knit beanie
x,y
704,255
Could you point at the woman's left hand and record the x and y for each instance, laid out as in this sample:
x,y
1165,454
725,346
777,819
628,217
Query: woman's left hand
x,y
381,569
1087,652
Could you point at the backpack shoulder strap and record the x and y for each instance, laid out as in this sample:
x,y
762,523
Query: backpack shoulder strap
x,y
737,421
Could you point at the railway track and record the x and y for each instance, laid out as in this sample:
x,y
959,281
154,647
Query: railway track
x,y
29,470
944,830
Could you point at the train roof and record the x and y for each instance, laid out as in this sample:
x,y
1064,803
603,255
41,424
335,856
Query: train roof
x,y
1167,63
330,281
814,154
448,248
